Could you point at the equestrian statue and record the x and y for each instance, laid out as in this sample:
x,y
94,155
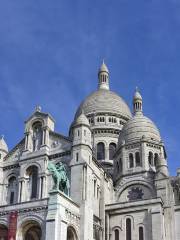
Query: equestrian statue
x,y
60,177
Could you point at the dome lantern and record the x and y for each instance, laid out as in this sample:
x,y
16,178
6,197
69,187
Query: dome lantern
x,y
103,77
137,102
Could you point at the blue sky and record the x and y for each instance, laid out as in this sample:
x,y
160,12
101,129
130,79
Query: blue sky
x,y
50,52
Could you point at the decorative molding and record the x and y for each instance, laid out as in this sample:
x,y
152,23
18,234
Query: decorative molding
x,y
11,167
26,210
58,155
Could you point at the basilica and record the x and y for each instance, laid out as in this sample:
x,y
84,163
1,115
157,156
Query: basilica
x,y
107,180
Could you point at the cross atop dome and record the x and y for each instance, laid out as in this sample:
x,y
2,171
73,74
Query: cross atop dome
x,y
103,76
38,108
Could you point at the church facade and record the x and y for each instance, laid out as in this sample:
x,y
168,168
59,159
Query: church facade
x,y
115,164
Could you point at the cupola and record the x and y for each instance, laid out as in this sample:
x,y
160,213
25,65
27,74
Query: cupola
x,y
103,76
137,102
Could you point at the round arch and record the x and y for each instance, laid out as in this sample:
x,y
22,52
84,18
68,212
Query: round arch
x,y
71,233
32,122
143,183
100,150
8,176
3,232
26,166
30,229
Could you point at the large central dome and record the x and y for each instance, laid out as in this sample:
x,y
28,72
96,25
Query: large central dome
x,y
107,113
104,101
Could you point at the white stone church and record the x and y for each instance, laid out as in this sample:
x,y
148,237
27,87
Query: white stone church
x,y
116,163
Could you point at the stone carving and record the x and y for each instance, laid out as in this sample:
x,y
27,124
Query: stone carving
x,y
135,194
60,178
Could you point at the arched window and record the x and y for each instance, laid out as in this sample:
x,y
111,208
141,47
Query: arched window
x,y
131,160
32,172
3,232
128,229
112,150
37,136
141,233
156,159
12,190
117,165
77,157
32,231
71,234
94,188
150,158
116,234
100,151
138,160
120,165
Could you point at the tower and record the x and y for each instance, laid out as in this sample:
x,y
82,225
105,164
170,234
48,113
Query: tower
x,y
81,173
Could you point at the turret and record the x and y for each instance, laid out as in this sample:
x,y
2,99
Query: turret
x,y
81,164
3,148
162,165
81,131
3,153
82,147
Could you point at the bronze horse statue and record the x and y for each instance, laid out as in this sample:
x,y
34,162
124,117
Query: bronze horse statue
x,y
60,178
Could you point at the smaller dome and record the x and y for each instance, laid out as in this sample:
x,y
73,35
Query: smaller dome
x,y
3,145
81,120
137,128
137,95
103,68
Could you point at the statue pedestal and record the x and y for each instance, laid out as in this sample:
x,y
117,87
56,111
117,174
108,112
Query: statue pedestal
x,y
57,220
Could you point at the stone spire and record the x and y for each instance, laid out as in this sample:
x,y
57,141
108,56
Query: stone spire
x,y
3,144
103,76
137,102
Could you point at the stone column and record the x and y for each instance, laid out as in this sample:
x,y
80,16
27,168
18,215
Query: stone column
x,y
43,186
19,191
22,197
27,141
107,153
144,161
40,187
107,227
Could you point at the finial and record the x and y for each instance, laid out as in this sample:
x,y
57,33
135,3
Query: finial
x,y
38,108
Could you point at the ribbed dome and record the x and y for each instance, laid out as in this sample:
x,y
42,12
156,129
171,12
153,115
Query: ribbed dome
x,y
3,145
137,128
104,101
